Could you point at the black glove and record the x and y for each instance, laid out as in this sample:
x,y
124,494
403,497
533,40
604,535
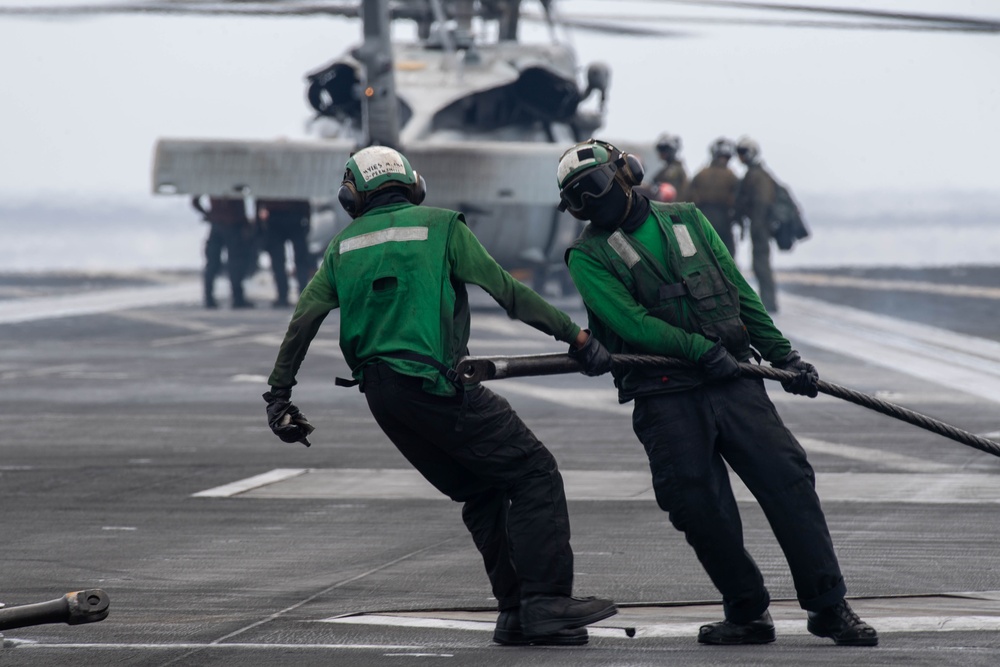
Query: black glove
x,y
717,364
594,357
806,382
285,420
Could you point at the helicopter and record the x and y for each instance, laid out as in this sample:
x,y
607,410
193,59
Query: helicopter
x,y
484,120
482,113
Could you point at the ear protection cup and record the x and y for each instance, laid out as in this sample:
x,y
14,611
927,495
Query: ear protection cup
x,y
354,201
632,169
350,198
418,191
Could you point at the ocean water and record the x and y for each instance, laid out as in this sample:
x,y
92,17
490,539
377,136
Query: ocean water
x,y
165,234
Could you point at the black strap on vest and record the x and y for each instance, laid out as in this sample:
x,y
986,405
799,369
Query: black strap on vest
x,y
450,374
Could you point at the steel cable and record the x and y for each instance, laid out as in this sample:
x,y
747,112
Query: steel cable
x,y
856,397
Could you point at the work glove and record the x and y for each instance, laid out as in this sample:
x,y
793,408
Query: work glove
x,y
806,382
594,357
285,420
717,364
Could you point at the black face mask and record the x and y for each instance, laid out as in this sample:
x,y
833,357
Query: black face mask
x,y
384,197
637,213
608,211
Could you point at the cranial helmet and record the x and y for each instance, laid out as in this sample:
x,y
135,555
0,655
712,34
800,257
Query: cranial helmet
x,y
589,170
668,142
376,168
722,147
748,150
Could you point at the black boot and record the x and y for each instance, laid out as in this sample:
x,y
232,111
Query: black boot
x,y
508,633
759,631
842,625
543,615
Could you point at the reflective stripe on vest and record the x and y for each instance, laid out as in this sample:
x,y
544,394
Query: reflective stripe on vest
x,y
383,236
623,248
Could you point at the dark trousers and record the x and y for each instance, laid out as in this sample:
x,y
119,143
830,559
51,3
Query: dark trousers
x,y
230,238
689,437
514,502
295,230
760,241
721,218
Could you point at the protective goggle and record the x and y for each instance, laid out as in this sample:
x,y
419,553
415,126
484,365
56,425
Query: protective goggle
x,y
591,184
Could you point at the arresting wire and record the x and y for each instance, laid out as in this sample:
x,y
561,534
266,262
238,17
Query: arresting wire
x,y
478,369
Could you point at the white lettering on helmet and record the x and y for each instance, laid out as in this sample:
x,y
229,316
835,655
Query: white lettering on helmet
x,y
377,161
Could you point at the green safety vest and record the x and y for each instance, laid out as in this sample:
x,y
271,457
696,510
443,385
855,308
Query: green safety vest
x,y
690,292
396,294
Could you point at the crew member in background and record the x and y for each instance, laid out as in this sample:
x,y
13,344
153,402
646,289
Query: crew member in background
x,y
398,273
713,191
656,279
282,221
672,173
229,230
754,199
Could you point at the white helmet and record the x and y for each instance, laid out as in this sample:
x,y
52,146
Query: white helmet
x,y
722,147
667,141
748,150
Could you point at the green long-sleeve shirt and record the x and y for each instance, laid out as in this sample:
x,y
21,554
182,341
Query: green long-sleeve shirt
x,y
608,299
425,309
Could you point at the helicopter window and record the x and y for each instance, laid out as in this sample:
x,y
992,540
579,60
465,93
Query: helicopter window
x,y
538,94
335,92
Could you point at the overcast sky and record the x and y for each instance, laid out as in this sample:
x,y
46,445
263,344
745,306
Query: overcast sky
x,y
83,101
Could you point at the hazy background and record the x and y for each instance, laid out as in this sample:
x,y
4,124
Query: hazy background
x,y
889,139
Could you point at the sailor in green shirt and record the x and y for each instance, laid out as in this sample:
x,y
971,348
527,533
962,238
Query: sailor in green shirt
x,y
398,274
657,279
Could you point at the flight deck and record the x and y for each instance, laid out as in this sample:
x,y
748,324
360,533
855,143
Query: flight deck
x,y
136,459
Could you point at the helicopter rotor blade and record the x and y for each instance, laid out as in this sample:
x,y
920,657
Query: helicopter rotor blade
x,y
885,19
193,8
600,24
870,19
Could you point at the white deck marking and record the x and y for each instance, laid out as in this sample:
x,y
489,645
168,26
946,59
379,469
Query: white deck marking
x,y
826,280
882,458
103,301
402,484
966,363
244,485
884,624
22,644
